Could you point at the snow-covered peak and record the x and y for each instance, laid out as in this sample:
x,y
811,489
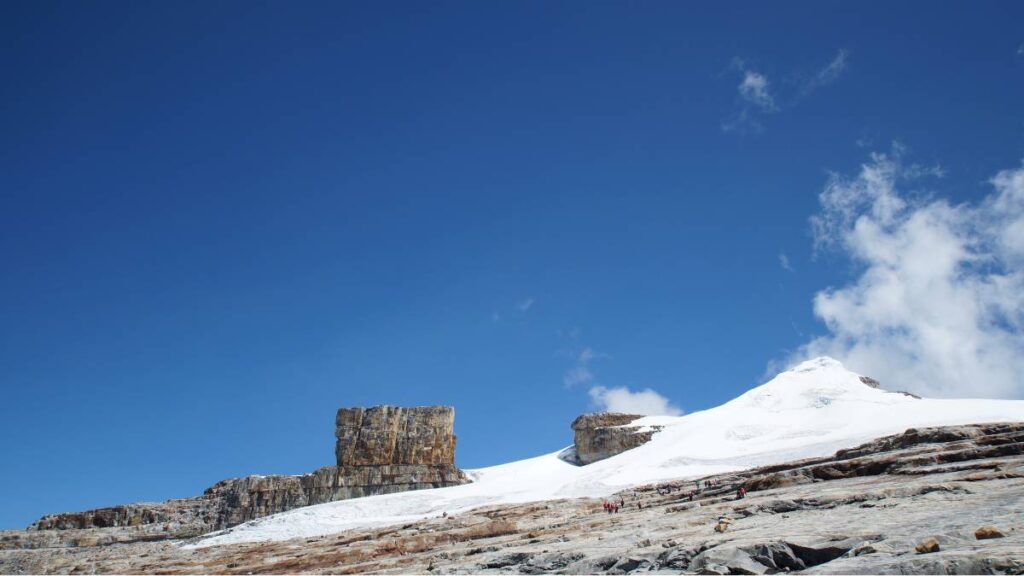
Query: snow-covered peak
x,y
815,384
815,364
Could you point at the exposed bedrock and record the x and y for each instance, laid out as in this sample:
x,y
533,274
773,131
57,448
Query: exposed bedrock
x,y
602,435
385,435
943,500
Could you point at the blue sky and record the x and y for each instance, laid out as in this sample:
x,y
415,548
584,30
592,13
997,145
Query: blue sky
x,y
222,221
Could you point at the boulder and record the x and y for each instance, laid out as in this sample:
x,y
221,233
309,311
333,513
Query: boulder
x,y
986,532
927,546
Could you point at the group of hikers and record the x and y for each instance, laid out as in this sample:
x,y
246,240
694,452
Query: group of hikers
x,y
613,507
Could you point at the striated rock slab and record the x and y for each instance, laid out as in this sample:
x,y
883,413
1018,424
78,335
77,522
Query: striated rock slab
x,y
602,435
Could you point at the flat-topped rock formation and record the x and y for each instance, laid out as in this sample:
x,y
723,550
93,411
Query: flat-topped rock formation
x,y
380,450
601,435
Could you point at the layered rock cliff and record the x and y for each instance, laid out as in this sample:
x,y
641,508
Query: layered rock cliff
x,y
380,450
602,435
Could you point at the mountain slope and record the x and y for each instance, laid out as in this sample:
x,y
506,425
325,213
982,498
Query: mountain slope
x,y
812,410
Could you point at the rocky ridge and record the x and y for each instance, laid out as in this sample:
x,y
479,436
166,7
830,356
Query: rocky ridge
x,y
930,500
379,450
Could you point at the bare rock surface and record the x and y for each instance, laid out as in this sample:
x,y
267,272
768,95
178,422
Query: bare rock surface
x,y
860,511
380,450
387,435
601,435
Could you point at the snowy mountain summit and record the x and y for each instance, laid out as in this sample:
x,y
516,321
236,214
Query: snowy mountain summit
x,y
811,410
815,384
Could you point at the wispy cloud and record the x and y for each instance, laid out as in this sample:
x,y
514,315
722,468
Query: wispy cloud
x,y
622,399
784,262
754,89
757,97
830,73
516,311
577,375
581,372
937,306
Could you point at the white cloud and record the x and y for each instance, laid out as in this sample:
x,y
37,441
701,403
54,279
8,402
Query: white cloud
x,y
525,305
622,399
784,262
937,307
754,89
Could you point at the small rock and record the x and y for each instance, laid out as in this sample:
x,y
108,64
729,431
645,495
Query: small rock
x,y
861,550
986,532
927,546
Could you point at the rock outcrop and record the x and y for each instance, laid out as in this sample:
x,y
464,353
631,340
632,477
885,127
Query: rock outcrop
x,y
602,435
380,450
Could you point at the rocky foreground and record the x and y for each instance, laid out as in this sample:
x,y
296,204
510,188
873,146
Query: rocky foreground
x,y
935,500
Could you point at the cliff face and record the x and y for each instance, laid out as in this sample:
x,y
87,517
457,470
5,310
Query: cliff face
x,y
380,450
604,434
385,435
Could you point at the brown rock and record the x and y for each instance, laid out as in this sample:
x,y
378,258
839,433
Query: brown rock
x,y
986,532
604,434
927,546
384,435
